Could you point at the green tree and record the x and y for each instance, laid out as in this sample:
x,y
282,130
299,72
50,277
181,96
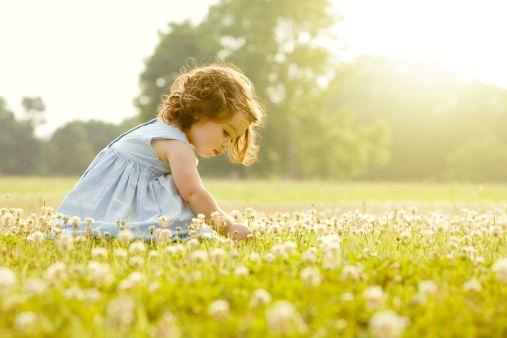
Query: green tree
x,y
34,108
19,148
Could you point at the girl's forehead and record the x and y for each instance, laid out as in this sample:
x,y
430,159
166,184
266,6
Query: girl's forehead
x,y
239,123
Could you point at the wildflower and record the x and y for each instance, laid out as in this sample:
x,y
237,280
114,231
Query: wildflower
x,y
283,318
167,327
426,287
8,279
219,309
269,258
74,292
217,256
125,236
99,252
309,256
374,296
136,261
260,297
27,323
193,243
163,222
120,311
347,297
137,248
472,285
199,256
35,286
74,221
387,324
135,280
153,254
92,295
255,257
120,253
163,236
36,237
241,271
352,272
65,242
311,276
100,274
55,273
500,269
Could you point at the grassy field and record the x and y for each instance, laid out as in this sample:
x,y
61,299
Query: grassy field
x,y
370,260
31,193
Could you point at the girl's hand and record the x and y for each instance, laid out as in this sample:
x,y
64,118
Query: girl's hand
x,y
238,231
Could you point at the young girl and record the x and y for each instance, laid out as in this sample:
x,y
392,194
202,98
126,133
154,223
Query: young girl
x,y
149,173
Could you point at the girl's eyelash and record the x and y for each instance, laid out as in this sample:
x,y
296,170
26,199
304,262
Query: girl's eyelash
x,y
226,133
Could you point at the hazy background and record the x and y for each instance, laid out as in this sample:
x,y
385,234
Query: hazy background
x,y
366,90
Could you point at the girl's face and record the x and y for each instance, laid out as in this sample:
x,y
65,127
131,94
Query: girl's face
x,y
211,138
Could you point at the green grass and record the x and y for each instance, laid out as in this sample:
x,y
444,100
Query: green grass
x,y
31,193
83,302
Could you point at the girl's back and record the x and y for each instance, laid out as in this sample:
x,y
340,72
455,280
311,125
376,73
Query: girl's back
x,y
128,181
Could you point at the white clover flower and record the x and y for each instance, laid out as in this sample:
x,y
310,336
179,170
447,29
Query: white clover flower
x,y
99,252
374,296
219,309
120,311
193,243
27,323
135,280
269,257
137,247
241,271
65,242
255,257
125,236
92,295
35,286
167,326
290,247
55,273
311,276
217,256
136,261
472,285
36,237
330,243
347,297
100,273
309,256
163,236
352,272
278,250
8,279
75,220
176,249
260,297
500,269
387,324
74,292
163,222
426,287
199,256
283,318
120,253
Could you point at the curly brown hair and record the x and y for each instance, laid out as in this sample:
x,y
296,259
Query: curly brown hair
x,y
215,92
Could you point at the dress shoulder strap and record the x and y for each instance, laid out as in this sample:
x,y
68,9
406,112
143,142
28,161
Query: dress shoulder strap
x,y
137,142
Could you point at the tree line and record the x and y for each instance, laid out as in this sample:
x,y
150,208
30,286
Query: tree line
x,y
374,118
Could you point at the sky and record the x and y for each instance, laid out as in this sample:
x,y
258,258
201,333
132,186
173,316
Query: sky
x,y
84,58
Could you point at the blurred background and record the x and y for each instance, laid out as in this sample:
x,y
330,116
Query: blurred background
x,y
354,90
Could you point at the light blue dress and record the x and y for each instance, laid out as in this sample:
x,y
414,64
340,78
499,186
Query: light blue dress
x,y
128,181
